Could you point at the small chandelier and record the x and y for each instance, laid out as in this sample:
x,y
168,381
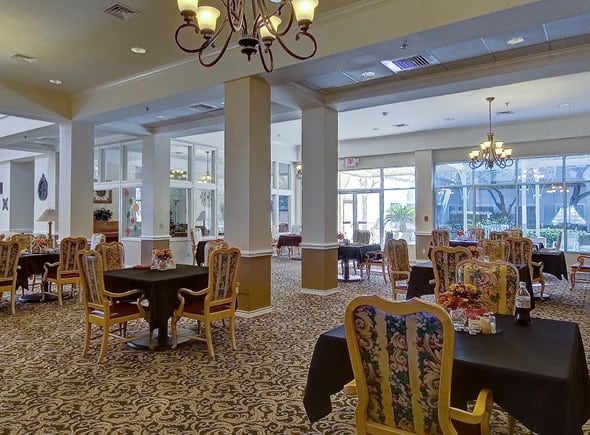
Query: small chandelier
x,y
206,177
254,36
178,174
491,153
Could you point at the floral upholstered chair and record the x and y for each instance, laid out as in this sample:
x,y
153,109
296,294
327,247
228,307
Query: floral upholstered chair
x,y
398,258
103,308
496,249
521,252
9,252
478,234
97,238
402,360
496,281
499,235
211,246
216,302
514,232
65,272
24,240
112,254
444,263
440,238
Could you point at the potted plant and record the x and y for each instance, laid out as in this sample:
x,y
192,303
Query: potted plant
x,y
103,214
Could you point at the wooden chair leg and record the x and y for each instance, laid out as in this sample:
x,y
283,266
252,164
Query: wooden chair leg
x,y
87,338
104,343
209,339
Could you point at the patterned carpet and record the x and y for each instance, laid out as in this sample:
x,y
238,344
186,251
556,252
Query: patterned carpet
x,y
47,387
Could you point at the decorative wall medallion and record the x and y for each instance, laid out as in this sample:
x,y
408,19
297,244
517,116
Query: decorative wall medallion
x,y
42,188
4,203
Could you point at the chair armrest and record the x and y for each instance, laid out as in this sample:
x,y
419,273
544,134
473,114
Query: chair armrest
x,y
122,295
46,267
581,259
400,272
540,265
187,291
483,406
350,388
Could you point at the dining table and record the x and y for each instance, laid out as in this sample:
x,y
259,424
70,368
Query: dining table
x,y
160,287
289,241
538,373
353,252
553,262
421,275
32,264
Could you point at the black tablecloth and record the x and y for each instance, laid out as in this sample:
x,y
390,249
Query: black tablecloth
x,y
356,252
200,255
538,373
159,287
32,264
288,240
422,273
553,262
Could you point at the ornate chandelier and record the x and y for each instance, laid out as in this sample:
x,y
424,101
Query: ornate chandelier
x,y
206,177
491,153
256,29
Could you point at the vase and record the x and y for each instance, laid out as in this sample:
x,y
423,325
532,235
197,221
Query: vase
x,y
162,265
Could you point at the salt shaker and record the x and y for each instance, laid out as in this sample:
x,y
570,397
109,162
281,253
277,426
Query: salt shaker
x,y
492,323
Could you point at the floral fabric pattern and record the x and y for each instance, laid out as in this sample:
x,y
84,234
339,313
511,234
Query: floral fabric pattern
x,y
496,282
113,257
396,253
398,351
224,269
68,248
496,249
444,263
440,238
9,252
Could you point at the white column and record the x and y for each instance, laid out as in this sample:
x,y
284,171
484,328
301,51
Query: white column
x,y
424,168
76,169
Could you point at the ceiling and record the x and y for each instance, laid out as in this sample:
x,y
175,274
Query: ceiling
x,y
451,69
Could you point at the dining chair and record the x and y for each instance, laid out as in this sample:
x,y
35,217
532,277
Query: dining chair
x,y
194,243
210,247
496,249
105,309
214,303
9,253
24,240
97,238
521,252
580,271
514,232
374,258
444,265
499,235
557,246
398,259
478,234
361,237
112,255
402,360
65,271
440,238
497,281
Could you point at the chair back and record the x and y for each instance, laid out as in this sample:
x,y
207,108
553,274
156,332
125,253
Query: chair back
x,y
9,253
97,238
112,255
210,247
2,235
558,241
388,237
440,238
296,229
521,250
444,264
361,237
283,227
24,240
68,250
223,274
91,279
496,249
497,281
397,255
514,232
478,234
402,359
499,235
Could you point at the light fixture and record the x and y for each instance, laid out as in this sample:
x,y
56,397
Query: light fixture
x,y
206,177
255,23
49,216
491,153
56,82
298,171
138,50
178,174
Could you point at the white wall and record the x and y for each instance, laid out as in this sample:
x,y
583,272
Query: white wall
x,y
22,193
5,179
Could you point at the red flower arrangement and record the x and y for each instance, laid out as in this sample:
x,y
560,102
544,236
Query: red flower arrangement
x,y
460,296
460,233
163,254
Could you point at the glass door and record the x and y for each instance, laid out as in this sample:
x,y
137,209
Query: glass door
x,y
359,211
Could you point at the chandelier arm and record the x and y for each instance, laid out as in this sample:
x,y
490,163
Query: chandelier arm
x,y
267,50
264,16
235,14
182,47
211,44
297,37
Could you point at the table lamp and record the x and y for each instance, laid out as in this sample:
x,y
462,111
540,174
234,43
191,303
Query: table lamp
x,y
49,215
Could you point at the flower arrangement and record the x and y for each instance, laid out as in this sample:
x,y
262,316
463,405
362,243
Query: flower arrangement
x,y
41,242
103,214
460,233
163,254
459,295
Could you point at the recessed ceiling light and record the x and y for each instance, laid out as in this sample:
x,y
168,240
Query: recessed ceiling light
x,y
56,82
564,105
403,124
138,50
368,74
376,129
160,116
515,41
449,119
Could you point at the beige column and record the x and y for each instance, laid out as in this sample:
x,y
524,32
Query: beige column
x,y
247,189
155,194
319,267
76,169
424,202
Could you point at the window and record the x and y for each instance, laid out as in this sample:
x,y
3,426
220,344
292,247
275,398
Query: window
x,y
133,162
284,178
112,163
179,207
132,211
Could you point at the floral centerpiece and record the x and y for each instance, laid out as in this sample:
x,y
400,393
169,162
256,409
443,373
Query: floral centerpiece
x,y
460,295
162,259
39,245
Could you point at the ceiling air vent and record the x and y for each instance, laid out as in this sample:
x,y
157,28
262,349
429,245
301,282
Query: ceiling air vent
x,y
24,58
410,63
202,108
121,11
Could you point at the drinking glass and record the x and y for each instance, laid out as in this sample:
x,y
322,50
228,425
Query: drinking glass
x,y
459,318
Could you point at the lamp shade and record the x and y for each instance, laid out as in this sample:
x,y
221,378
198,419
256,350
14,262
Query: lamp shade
x,y
49,215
